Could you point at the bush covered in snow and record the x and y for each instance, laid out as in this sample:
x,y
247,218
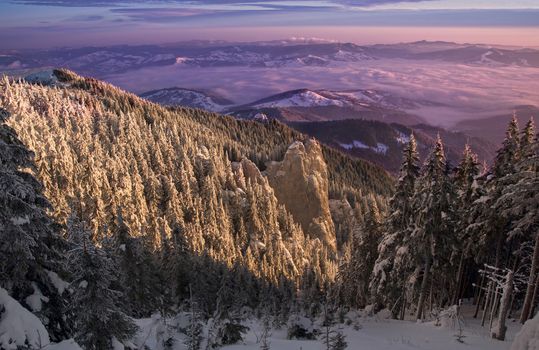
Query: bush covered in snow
x,y
301,328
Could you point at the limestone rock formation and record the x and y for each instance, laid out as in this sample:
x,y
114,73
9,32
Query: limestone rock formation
x,y
300,182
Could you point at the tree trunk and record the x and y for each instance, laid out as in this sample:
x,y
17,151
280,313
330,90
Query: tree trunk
x,y
504,307
494,308
526,309
487,303
534,298
479,298
403,309
423,292
460,275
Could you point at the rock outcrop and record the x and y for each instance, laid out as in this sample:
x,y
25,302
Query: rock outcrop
x,y
300,182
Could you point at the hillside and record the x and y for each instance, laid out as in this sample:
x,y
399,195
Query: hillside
x,y
186,180
383,143
493,128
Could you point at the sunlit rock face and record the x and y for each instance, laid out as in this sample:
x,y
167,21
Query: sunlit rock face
x,y
300,182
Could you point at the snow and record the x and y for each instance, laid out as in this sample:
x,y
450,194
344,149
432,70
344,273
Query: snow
x,y
260,117
380,148
528,337
21,328
46,77
18,326
354,144
402,138
362,331
35,301
20,220
154,331
302,99
64,345
59,283
185,97
182,60
116,345
382,334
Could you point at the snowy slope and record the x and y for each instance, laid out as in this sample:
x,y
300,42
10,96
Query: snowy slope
x,y
359,99
189,98
301,98
18,326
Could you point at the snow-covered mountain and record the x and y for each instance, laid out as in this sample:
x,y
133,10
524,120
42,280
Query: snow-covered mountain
x,y
100,61
324,105
176,96
347,98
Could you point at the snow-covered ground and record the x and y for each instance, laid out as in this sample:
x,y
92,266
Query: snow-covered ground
x,y
390,335
18,326
362,333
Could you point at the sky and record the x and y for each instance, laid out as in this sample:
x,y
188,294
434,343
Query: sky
x,y
57,23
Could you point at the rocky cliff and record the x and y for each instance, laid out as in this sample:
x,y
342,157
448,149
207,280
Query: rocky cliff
x,y
300,182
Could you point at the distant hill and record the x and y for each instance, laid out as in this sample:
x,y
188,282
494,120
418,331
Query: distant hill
x,y
493,128
382,143
324,105
176,96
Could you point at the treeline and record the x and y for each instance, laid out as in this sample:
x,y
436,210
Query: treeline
x,y
453,233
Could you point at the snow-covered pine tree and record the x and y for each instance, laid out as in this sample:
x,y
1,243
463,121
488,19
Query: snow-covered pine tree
x,y
467,191
29,244
433,224
95,305
332,338
356,272
138,273
387,282
194,329
527,139
518,203
508,154
226,328
485,221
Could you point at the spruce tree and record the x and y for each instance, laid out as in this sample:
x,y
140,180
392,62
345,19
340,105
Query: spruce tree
x,y
194,329
95,305
467,191
486,223
29,244
518,203
388,277
433,226
138,273
364,252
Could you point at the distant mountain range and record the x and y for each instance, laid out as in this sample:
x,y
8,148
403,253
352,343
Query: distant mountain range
x,y
302,105
367,124
100,61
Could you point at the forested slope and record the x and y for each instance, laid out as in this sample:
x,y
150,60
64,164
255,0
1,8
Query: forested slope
x,y
179,182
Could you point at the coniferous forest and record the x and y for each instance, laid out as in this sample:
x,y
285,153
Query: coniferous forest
x,y
115,209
